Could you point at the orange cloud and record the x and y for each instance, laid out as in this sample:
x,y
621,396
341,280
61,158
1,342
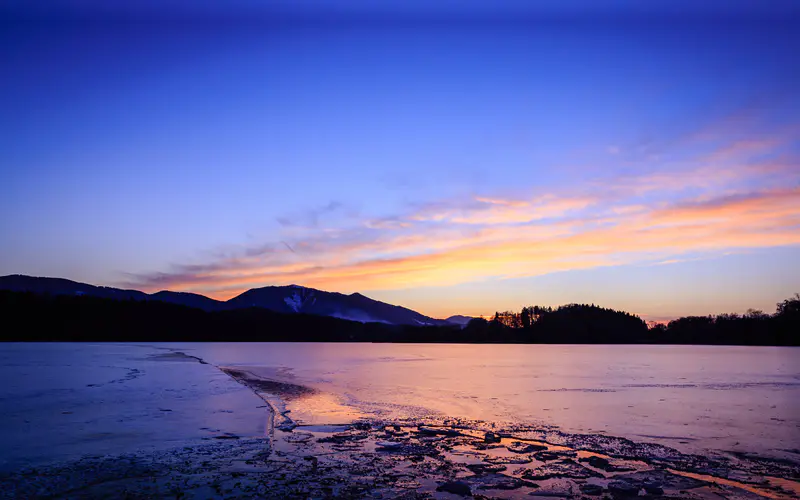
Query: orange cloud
x,y
753,207
493,211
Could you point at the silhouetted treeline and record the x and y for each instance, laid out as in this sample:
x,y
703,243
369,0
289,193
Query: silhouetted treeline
x,y
26,316
590,324
752,328
569,324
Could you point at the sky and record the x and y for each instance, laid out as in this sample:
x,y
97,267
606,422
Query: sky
x,y
451,157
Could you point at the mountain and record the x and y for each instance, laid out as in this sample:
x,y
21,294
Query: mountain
x,y
285,299
354,307
459,320
189,299
60,286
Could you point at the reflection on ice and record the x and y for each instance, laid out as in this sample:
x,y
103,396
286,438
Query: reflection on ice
x,y
694,398
430,420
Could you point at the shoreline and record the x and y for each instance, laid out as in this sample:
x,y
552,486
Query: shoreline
x,y
269,391
405,458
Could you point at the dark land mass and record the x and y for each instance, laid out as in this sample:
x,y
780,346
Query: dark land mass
x,y
30,316
290,299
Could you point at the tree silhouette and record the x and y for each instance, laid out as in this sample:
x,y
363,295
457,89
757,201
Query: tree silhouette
x,y
789,307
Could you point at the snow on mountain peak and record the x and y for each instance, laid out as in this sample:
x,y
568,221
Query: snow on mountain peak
x,y
295,302
298,299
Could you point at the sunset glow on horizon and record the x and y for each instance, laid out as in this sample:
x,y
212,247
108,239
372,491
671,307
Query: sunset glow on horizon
x,y
642,162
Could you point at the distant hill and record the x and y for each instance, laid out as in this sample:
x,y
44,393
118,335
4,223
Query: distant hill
x,y
283,299
189,299
459,320
60,286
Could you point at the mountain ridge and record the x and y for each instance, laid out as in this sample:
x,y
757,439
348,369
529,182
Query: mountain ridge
x,y
459,319
286,299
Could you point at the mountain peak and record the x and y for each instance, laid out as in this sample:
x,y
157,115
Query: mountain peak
x,y
459,319
354,307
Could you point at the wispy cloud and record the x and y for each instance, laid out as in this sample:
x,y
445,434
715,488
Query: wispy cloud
x,y
497,211
310,217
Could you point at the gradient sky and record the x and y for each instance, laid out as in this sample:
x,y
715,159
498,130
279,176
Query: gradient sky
x,y
452,157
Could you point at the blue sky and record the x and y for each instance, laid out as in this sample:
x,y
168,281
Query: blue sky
x,y
461,158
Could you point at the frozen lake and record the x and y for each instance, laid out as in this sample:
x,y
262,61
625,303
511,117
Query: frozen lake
x,y
62,400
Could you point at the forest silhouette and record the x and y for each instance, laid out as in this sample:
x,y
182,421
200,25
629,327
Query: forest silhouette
x,y
27,316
